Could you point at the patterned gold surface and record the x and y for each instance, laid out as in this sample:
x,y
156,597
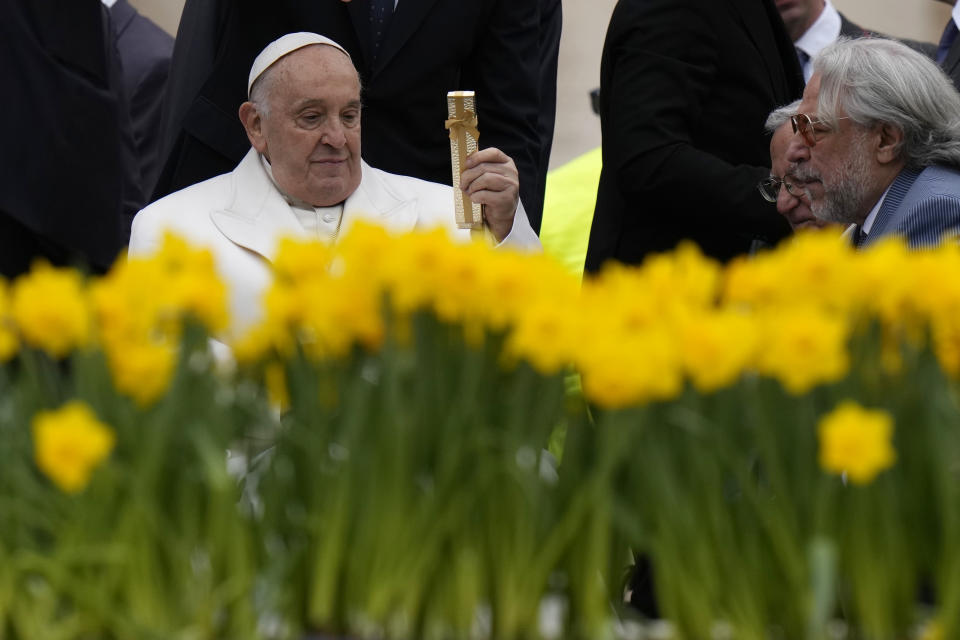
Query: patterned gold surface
x,y
462,123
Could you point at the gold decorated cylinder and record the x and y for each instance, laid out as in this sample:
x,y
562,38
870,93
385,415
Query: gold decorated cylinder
x,y
462,124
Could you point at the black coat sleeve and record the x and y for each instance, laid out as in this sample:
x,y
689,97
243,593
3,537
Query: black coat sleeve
x,y
680,118
504,68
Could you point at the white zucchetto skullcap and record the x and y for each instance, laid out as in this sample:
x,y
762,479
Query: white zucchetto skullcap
x,y
285,45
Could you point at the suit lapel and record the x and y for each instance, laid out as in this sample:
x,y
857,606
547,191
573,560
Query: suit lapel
x,y
257,215
360,16
891,203
761,29
406,20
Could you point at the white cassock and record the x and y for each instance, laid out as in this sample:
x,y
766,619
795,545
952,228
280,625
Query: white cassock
x,y
240,216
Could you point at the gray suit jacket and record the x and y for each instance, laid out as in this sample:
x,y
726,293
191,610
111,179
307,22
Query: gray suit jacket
x,y
921,205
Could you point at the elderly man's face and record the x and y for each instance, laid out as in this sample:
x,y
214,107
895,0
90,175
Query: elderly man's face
x,y
795,209
799,15
840,169
311,131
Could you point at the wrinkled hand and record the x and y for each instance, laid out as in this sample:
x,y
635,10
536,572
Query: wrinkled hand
x,y
490,178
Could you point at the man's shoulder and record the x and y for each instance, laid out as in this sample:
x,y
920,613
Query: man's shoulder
x,y
407,187
931,205
938,181
184,213
187,202
851,30
140,39
682,10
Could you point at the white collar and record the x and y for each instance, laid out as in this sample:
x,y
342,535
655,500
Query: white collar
x,y
109,3
825,30
956,14
256,213
872,216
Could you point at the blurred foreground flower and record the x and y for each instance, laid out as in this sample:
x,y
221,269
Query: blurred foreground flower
x,y
856,441
803,346
141,307
50,308
69,443
8,336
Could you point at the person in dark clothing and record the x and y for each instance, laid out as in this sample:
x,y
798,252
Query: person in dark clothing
x,y
814,24
145,51
65,179
420,50
686,87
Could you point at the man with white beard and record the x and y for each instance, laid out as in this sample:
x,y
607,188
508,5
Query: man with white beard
x,y
880,126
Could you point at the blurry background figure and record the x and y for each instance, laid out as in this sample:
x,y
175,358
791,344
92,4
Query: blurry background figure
x,y
568,209
685,88
68,185
813,24
418,50
551,25
948,51
785,189
145,51
584,26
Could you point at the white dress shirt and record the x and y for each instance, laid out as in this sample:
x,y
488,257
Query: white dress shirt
x,y
320,223
825,30
872,216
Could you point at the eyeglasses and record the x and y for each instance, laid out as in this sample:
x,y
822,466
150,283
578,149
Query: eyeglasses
x,y
807,127
770,188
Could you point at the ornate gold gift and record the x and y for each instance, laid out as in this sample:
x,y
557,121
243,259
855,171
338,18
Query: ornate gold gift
x,y
462,124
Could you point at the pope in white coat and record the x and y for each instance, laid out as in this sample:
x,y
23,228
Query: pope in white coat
x,y
303,177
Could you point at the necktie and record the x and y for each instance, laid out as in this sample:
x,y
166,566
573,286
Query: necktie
x,y
380,13
859,237
802,57
946,41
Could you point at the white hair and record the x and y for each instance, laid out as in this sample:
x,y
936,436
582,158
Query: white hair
x,y
261,89
876,80
780,116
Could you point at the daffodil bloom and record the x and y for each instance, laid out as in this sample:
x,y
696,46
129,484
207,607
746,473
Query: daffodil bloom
x,y
9,344
69,444
857,442
50,309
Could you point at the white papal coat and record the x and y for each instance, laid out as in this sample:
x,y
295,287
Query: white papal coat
x,y
241,216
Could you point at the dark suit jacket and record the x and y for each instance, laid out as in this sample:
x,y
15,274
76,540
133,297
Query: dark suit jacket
x,y
686,87
430,47
551,24
145,50
852,30
951,65
61,156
